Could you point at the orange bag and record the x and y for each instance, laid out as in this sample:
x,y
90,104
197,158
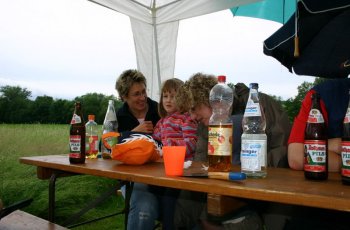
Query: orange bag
x,y
136,149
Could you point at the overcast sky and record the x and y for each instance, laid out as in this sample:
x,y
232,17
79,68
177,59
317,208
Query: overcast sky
x,y
67,48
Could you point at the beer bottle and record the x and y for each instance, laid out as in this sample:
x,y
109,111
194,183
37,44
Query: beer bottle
x,y
220,127
345,148
77,136
316,143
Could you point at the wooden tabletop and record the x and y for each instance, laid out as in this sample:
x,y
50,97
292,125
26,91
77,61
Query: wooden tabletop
x,y
281,185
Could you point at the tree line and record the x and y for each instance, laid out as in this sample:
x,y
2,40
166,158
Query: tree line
x,y
16,107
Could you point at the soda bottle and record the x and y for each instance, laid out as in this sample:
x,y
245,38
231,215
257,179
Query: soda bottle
x,y
110,124
91,138
315,143
254,139
77,136
220,127
345,148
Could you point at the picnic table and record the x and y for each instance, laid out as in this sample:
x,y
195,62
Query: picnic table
x,y
282,185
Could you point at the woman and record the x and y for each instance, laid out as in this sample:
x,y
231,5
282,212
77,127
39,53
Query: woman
x,y
138,114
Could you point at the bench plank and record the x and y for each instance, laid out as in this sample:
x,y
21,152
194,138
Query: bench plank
x,y
19,220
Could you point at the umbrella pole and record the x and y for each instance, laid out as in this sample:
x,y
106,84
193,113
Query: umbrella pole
x,y
296,37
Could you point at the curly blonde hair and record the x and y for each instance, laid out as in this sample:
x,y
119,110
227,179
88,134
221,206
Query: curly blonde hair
x,y
127,79
195,92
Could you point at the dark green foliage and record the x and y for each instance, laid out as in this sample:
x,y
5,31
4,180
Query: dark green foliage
x,y
14,104
16,107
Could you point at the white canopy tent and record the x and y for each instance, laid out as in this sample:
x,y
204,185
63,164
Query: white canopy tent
x,y
155,27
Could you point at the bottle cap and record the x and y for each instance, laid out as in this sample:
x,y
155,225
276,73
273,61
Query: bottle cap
x,y
222,78
91,117
254,85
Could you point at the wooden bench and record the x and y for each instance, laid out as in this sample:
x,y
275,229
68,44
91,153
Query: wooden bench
x,y
19,220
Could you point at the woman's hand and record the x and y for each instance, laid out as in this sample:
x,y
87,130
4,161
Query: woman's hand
x,y
145,127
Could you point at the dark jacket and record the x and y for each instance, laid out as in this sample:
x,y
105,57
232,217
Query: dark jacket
x,y
127,121
277,129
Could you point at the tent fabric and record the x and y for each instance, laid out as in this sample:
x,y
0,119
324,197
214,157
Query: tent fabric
x,y
155,28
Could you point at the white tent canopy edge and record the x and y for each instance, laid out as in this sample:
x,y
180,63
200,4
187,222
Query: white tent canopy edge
x,y
155,26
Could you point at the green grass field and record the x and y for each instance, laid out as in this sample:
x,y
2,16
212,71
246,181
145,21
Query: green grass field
x,y
19,181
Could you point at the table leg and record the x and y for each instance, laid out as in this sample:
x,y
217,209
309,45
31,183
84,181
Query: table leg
x,y
52,186
128,190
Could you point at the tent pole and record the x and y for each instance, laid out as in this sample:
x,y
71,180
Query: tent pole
x,y
154,10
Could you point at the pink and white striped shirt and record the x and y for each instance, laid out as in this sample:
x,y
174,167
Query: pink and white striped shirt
x,y
177,129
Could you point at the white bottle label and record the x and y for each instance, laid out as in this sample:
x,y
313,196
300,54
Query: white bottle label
x,y
345,155
75,147
253,153
76,119
347,116
252,109
315,116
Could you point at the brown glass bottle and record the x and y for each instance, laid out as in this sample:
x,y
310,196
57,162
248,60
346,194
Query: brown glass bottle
x,y
316,143
77,136
345,148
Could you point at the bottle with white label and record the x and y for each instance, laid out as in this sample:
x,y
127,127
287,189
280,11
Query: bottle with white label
x,y
316,143
77,136
254,139
345,152
110,124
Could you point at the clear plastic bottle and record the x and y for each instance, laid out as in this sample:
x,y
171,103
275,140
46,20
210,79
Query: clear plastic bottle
x,y
254,139
91,138
110,124
220,127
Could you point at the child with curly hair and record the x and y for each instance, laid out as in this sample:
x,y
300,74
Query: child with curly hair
x,y
173,129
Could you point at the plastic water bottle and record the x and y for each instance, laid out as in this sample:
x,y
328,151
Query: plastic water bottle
x,y
254,139
110,124
220,127
91,138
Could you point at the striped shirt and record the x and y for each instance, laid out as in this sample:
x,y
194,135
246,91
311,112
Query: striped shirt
x,y
175,130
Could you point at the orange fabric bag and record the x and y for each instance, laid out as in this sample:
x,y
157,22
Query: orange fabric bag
x,y
136,149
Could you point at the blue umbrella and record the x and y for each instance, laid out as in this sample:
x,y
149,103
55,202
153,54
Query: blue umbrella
x,y
274,10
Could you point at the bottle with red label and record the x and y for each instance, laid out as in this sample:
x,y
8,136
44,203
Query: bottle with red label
x,y
345,150
316,143
77,136
91,138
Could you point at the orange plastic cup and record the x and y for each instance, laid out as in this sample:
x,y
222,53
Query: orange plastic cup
x,y
174,157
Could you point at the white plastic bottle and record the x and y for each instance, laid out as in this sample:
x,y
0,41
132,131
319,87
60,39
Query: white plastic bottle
x,y
91,138
220,127
110,124
254,139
